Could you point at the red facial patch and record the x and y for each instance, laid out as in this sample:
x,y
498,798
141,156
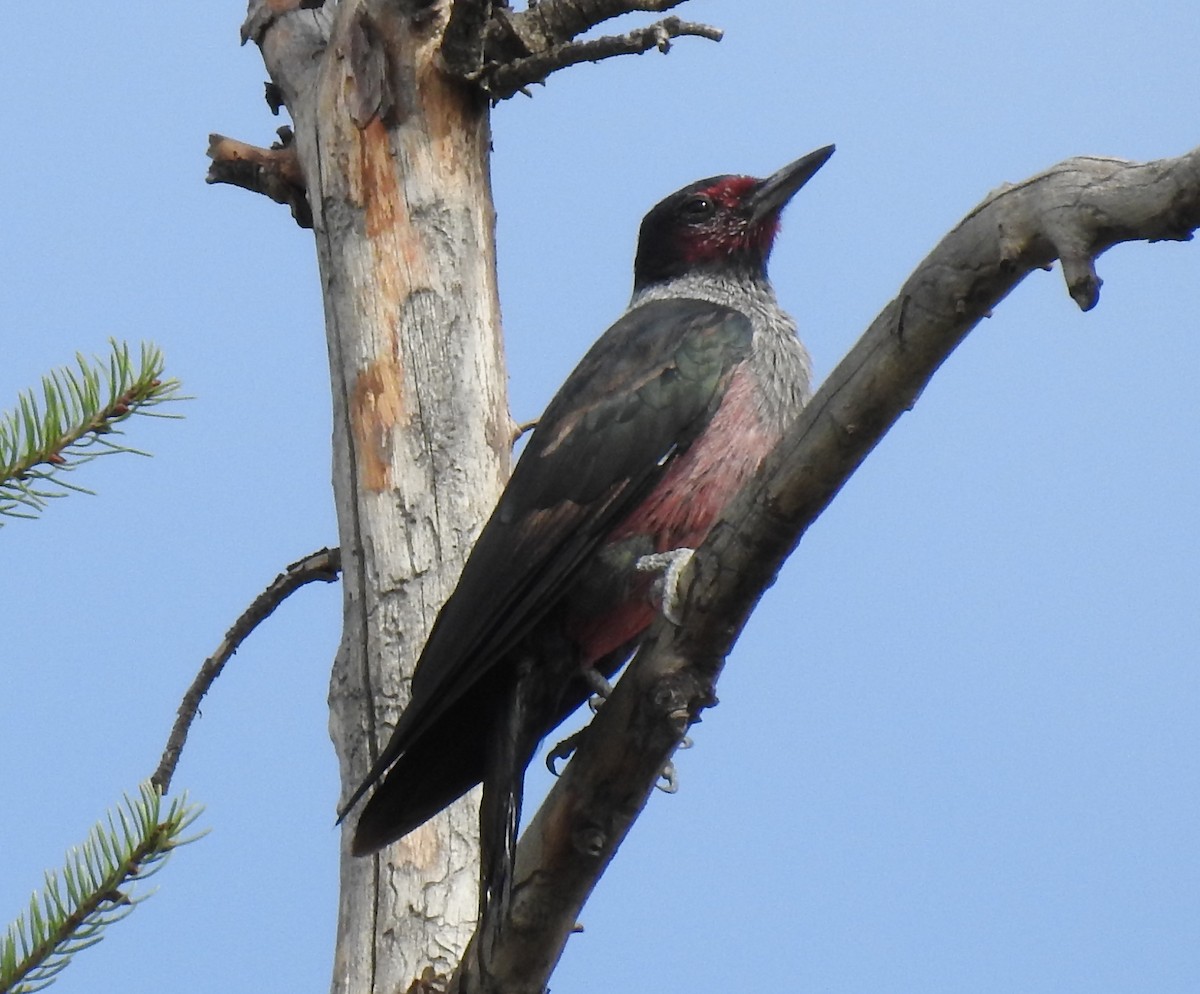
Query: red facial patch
x,y
728,232
731,191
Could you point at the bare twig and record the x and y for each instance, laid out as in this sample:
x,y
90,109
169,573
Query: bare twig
x,y
521,429
502,80
553,22
274,172
505,52
325,564
1073,212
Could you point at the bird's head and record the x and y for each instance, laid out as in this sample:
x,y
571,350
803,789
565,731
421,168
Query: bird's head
x,y
720,224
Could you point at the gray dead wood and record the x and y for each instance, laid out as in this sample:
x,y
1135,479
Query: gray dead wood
x,y
394,158
505,50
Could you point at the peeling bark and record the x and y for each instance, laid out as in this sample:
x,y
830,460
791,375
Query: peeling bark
x,y
394,158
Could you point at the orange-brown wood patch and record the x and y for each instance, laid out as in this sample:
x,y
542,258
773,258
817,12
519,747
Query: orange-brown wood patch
x,y
376,407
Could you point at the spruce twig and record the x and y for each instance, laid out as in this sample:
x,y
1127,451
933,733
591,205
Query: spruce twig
x,y
92,891
75,421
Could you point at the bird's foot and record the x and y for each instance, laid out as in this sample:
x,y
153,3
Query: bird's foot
x,y
666,588
601,688
563,751
668,779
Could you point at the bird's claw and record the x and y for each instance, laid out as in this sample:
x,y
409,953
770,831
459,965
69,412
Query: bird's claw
x,y
671,566
601,691
564,750
601,688
668,779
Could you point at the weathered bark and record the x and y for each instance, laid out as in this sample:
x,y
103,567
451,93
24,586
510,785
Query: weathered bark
x,y
388,164
1072,212
394,155
274,172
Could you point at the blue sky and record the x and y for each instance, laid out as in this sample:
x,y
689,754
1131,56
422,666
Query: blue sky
x,y
957,746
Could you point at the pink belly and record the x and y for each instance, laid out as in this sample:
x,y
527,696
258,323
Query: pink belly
x,y
682,509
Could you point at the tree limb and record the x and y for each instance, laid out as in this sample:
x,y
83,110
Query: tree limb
x,y
274,172
325,564
505,52
394,150
553,22
504,80
1072,212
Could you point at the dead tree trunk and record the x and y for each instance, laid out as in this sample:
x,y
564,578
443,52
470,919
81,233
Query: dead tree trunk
x,y
394,159
388,164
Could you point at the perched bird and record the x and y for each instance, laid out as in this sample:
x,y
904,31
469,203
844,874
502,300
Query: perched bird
x,y
639,452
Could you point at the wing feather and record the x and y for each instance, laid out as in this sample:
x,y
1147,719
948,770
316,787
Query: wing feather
x,y
640,396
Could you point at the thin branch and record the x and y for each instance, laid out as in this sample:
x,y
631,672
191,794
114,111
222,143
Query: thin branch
x,y
551,23
325,564
1073,212
274,172
483,32
505,52
503,80
521,429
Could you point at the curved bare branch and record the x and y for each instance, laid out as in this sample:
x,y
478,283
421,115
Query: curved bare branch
x,y
1072,212
324,564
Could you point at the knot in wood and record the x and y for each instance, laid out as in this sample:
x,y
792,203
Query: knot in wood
x,y
674,697
589,840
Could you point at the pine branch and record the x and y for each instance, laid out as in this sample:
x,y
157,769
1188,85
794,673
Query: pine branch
x,y
74,423
74,909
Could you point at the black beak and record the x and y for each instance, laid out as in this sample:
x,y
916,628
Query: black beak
x,y
776,190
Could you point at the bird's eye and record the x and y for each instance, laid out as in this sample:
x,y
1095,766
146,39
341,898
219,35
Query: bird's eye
x,y
697,208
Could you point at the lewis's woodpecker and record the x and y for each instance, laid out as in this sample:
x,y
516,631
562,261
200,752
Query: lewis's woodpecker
x,y
639,452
